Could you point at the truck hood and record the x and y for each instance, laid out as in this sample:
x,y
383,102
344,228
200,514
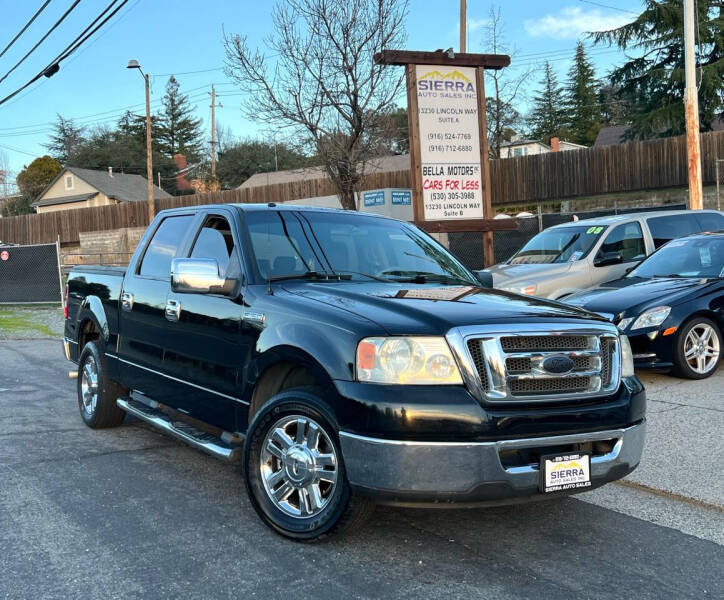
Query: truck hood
x,y
433,309
632,294
506,275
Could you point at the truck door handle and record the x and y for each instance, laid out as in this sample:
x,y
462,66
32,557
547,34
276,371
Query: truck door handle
x,y
126,301
173,310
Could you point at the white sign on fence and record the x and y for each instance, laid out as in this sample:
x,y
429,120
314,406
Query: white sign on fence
x,y
447,102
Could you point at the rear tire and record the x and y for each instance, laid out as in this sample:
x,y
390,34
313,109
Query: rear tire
x,y
96,393
294,470
697,350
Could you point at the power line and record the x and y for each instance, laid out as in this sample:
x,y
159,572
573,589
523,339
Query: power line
x,y
188,72
54,66
67,52
42,39
623,10
28,24
111,114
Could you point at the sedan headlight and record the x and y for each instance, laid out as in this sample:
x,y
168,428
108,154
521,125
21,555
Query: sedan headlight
x,y
652,317
407,360
526,290
627,362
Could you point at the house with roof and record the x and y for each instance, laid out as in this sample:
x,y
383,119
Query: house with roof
x,y
383,164
84,188
522,147
610,135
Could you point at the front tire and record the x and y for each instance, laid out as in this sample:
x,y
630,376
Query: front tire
x,y
97,394
697,352
294,470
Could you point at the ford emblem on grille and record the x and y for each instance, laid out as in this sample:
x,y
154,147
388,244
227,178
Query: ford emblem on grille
x,y
558,364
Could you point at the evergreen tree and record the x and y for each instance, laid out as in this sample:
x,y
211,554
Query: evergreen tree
x,y
546,119
65,140
178,132
654,79
583,115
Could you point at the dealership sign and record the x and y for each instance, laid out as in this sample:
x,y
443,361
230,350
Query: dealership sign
x,y
447,110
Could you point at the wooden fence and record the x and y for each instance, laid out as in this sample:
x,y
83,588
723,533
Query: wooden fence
x,y
628,167
648,165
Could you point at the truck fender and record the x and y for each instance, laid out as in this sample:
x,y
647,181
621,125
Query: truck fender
x,y
92,309
310,344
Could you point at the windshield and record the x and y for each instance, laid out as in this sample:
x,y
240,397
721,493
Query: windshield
x,y
560,245
695,257
359,247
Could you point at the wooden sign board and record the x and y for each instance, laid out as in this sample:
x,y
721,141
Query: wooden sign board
x,y
448,141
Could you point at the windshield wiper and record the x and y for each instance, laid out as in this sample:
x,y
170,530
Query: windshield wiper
x,y
423,277
347,271
310,275
669,276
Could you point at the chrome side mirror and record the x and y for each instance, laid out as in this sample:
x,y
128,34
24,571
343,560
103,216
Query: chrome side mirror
x,y
198,276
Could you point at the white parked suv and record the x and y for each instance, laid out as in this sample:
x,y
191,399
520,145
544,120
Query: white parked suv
x,y
571,257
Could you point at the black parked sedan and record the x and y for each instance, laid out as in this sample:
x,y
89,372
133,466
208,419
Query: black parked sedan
x,y
671,306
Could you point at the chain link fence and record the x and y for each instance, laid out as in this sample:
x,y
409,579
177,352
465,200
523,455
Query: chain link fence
x,y
30,274
468,246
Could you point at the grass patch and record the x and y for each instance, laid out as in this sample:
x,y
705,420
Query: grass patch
x,y
18,320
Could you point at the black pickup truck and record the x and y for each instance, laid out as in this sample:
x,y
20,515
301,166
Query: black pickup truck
x,y
348,359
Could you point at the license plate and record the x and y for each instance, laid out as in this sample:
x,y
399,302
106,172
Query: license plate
x,y
565,472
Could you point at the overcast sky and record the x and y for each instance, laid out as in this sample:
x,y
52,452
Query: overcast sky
x,y
185,37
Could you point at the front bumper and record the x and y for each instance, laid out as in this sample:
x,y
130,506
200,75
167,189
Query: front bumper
x,y
652,350
472,473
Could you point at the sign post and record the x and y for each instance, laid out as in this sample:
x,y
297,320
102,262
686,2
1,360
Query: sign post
x,y
450,171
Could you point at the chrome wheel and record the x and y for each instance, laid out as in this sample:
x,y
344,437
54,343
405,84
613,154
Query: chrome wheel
x,y
89,386
299,466
701,348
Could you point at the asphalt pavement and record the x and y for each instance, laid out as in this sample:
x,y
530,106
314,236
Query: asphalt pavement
x,y
131,513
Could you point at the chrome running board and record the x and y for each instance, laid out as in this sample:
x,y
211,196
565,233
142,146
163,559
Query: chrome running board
x,y
207,442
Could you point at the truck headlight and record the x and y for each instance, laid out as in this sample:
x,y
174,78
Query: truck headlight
x,y
407,360
627,362
653,317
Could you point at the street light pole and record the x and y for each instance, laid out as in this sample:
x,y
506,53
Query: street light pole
x,y
149,159
691,110
133,64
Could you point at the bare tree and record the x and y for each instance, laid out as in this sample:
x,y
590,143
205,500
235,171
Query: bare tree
x,y
323,83
503,89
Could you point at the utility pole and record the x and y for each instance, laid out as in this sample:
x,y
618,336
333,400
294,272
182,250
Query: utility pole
x,y
691,109
463,24
213,131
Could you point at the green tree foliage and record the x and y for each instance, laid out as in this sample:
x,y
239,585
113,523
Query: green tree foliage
x,y
546,119
65,139
124,149
31,181
654,77
178,132
583,114
237,162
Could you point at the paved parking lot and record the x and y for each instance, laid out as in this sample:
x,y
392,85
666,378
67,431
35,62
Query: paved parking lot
x,y
129,512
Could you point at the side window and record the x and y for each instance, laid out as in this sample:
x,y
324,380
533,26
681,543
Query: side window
x,y
215,241
710,221
665,229
626,239
163,246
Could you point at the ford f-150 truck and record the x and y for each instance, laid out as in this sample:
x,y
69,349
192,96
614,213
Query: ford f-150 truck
x,y
348,359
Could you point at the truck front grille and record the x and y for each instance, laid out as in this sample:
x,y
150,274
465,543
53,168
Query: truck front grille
x,y
544,366
531,343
